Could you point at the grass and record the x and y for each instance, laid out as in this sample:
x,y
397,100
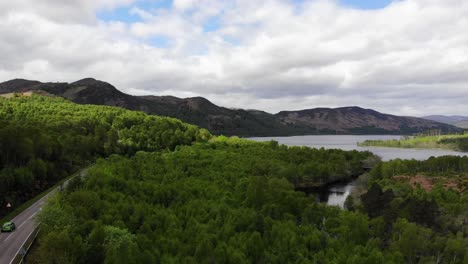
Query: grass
x,y
453,142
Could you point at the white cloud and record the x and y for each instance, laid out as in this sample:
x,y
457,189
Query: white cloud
x,y
408,58
184,4
61,11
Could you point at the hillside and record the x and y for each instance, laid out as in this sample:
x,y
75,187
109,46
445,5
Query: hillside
x,y
459,121
221,120
462,124
43,140
446,119
356,120
196,110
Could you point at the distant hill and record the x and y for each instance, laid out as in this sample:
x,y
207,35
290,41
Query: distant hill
x,y
221,120
462,124
196,110
357,120
456,120
446,119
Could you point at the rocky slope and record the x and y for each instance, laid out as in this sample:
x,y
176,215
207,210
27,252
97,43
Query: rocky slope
x,y
221,120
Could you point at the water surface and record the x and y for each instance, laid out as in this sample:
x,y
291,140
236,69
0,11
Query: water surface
x,y
349,142
336,194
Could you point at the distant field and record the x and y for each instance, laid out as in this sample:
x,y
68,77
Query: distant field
x,y
454,142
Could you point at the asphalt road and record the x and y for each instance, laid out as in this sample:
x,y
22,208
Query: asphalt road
x,y
11,242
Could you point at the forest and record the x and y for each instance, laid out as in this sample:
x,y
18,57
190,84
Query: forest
x,y
44,139
162,191
431,193
233,201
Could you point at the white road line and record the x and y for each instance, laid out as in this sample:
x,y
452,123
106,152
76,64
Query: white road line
x,y
8,236
22,245
40,202
32,215
27,220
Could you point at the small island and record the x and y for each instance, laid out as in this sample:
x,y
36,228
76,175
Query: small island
x,y
457,142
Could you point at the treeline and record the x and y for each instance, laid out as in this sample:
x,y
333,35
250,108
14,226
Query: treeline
x,y
434,166
226,201
454,142
460,143
42,140
304,167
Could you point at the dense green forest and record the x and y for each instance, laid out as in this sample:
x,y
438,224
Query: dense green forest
x,y
454,142
233,201
43,139
431,192
163,191
431,196
228,201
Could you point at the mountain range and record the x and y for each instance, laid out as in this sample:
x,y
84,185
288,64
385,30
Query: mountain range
x,y
456,120
240,122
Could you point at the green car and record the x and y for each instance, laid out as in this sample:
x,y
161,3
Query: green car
x,y
8,227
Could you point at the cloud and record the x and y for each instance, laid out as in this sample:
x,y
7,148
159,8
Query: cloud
x,y
184,4
69,11
409,58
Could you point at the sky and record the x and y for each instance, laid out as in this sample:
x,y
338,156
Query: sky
x,y
404,57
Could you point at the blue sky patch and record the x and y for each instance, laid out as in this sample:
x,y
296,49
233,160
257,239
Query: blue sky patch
x,y
231,40
366,4
123,13
212,24
158,41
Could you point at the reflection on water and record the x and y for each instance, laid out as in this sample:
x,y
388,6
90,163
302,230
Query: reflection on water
x,y
336,194
333,194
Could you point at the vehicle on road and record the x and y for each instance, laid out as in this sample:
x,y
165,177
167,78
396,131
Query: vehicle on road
x,y
8,227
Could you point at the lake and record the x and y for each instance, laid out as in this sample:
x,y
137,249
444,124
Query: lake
x,y
349,142
336,194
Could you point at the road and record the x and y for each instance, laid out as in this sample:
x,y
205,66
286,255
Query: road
x,y
11,243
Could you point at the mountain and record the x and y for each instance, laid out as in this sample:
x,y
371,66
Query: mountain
x,y
356,120
462,124
221,120
195,110
456,120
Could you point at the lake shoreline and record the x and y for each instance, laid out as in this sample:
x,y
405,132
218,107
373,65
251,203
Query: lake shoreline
x,y
456,142
349,142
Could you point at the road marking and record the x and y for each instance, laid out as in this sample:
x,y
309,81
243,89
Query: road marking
x,y
8,236
25,221
32,216
22,245
39,203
